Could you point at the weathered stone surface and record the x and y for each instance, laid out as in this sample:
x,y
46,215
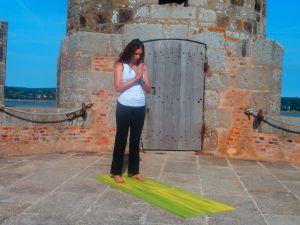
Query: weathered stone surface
x,y
216,81
206,15
260,78
213,40
70,98
212,99
77,80
142,12
216,59
154,31
93,43
160,11
269,102
284,122
267,52
184,12
217,118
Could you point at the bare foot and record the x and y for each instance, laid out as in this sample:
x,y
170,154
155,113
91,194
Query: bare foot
x,y
118,179
139,177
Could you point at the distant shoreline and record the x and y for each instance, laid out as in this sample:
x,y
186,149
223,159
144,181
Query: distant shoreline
x,y
28,100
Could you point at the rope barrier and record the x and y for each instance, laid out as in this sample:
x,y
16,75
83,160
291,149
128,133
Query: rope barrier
x,y
70,115
268,120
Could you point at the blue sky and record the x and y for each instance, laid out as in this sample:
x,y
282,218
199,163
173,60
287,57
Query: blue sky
x,y
36,29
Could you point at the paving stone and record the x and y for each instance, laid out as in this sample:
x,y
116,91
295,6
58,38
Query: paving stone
x,y
234,222
157,216
7,178
180,167
280,220
251,171
212,161
279,166
263,184
36,219
69,205
181,180
222,186
100,216
9,210
113,199
287,175
245,208
217,173
7,161
82,185
237,162
279,203
182,158
294,187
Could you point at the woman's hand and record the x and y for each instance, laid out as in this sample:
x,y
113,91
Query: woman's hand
x,y
139,71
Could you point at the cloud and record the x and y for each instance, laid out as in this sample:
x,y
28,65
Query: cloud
x,y
30,13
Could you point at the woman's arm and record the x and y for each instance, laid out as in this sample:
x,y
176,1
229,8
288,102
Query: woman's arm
x,y
119,84
147,84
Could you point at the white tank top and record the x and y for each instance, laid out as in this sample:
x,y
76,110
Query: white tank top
x,y
135,95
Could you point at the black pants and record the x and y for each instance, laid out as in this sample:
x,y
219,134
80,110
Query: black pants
x,y
133,118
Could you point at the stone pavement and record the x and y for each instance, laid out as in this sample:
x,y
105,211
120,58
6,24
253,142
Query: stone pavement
x,y
57,189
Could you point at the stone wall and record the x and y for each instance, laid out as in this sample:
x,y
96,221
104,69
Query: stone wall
x,y
3,44
234,16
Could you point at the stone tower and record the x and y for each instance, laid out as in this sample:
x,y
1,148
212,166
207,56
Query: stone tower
x,y
244,66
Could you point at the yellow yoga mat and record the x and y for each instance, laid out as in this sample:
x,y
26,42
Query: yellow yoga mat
x,y
172,199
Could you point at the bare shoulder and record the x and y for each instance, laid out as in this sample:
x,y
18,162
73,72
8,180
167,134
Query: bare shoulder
x,y
118,65
145,66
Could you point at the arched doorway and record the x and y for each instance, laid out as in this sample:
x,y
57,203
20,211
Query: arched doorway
x,y
174,115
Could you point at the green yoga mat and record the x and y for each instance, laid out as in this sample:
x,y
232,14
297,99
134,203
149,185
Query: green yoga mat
x,y
172,199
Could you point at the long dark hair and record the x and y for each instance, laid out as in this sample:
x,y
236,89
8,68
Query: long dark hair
x,y
129,50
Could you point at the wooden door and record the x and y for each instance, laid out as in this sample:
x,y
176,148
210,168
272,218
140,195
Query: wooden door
x,y
175,105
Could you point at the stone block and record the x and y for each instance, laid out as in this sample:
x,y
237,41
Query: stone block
x,y
269,102
216,59
70,98
154,31
217,118
75,62
89,81
184,12
93,43
198,2
160,12
206,15
213,40
267,52
216,81
260,78
212,99
142,12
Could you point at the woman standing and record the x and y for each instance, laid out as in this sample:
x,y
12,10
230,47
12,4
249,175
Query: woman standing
x,y
132,81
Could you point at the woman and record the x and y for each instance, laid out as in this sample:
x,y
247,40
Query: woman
x,y
132,81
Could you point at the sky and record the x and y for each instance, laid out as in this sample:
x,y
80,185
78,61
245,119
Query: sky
x,y
36,30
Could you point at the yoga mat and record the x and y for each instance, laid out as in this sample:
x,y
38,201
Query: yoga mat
x,y
172,199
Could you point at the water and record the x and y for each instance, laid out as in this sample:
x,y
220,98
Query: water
x,y
29,103
290,114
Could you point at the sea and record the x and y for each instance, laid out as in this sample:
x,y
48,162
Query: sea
x,y
290,114
30,103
